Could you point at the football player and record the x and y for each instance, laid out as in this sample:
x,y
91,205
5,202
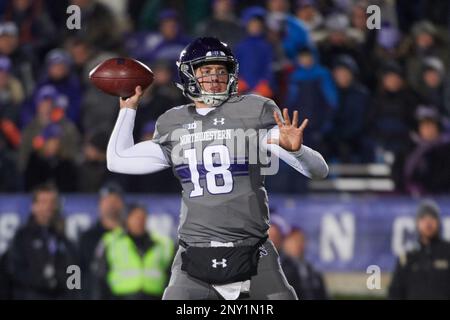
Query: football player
x,y
224,252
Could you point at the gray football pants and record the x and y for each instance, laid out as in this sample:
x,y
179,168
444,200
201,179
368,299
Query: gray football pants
x,y
268,284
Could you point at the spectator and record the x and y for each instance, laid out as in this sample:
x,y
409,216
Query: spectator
x,y
58,73
426,169
47,162
99,26
363,36
424,273
11,96
339,40
278,231
281,65
23,62
36,30
312,286
223,23
385,49
255,56
96,109
40,253
391,119
92,171
131,263
307,11
110,210
347,139
425,43
432,85
295,33
161,96
311,85
47,112
408,12
164,45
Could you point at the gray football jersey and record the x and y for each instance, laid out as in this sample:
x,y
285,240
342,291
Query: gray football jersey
x,y
218,163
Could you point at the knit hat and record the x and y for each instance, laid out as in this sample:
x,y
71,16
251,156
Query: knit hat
x,y
423,27
347,62
430,208
252,12
111,188
56,56
435,64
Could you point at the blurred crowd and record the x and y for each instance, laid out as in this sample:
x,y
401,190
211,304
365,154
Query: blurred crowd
x,y
372,95
116,258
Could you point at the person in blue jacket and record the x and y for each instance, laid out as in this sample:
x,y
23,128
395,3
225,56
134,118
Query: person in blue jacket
x,y
313,91
348,139
60,75
255,55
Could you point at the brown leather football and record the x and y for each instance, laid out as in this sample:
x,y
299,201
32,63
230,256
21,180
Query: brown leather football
x,y
120,76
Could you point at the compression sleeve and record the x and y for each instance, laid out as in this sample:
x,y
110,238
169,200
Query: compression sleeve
x,y
306,161
123,156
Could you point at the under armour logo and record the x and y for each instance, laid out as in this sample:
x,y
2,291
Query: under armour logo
x,y
217,121
215,263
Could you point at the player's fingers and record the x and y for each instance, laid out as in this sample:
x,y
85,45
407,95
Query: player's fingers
x,y
277,119
272,141
287,120
138,91
304,125
295,119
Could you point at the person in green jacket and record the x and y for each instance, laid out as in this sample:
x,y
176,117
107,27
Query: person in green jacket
x,y
131,263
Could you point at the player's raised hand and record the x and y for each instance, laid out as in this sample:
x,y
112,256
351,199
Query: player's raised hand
x,y
133,101
291,135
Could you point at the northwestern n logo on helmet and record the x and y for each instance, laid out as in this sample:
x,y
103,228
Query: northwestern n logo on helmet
x,y
215,53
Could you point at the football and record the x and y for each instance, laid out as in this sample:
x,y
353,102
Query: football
x,y
120,76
